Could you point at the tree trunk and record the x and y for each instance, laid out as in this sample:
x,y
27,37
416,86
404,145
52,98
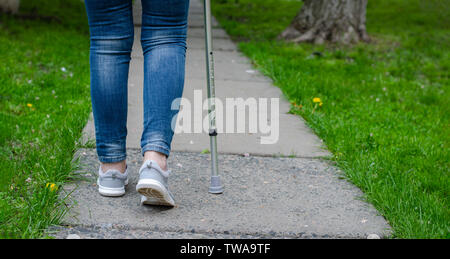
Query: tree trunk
x,y
10,6
336,21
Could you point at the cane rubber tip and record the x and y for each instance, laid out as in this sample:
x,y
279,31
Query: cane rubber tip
x,y
216,185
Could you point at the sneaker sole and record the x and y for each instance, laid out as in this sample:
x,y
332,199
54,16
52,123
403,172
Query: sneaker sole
x,y
155,192
111,192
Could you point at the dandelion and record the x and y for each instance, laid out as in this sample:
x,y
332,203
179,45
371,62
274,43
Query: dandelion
x,y
316,100
29,105
51,186
63,69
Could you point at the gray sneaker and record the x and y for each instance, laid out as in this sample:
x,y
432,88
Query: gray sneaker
x,y
153,185
112,182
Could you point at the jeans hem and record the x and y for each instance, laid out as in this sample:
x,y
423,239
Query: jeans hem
x,y
112,159
157,148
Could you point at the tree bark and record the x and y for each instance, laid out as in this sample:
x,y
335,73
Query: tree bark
x,y
335,21
10,6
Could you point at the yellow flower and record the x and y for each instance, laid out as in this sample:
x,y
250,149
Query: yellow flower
x,y
29,105
316,100
320,104
51,186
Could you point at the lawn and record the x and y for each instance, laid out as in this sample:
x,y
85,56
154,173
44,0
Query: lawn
x,y
44,104
385,112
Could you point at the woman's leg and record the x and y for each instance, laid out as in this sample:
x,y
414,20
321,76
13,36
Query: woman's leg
x,y
111,31
163,39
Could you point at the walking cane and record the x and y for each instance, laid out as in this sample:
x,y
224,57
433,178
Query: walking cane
x,y
216,185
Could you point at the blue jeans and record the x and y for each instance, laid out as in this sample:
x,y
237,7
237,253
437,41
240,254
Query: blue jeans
x,y
163,40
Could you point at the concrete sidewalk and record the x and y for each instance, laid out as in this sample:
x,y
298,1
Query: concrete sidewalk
x,y
265,195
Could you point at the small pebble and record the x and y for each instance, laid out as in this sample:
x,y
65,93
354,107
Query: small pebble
x,y
73,236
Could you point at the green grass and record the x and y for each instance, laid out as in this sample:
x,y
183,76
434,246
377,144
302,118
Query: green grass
x,y
44,104
385,112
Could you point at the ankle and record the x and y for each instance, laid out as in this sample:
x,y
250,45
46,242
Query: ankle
x,y
159,158
119,166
